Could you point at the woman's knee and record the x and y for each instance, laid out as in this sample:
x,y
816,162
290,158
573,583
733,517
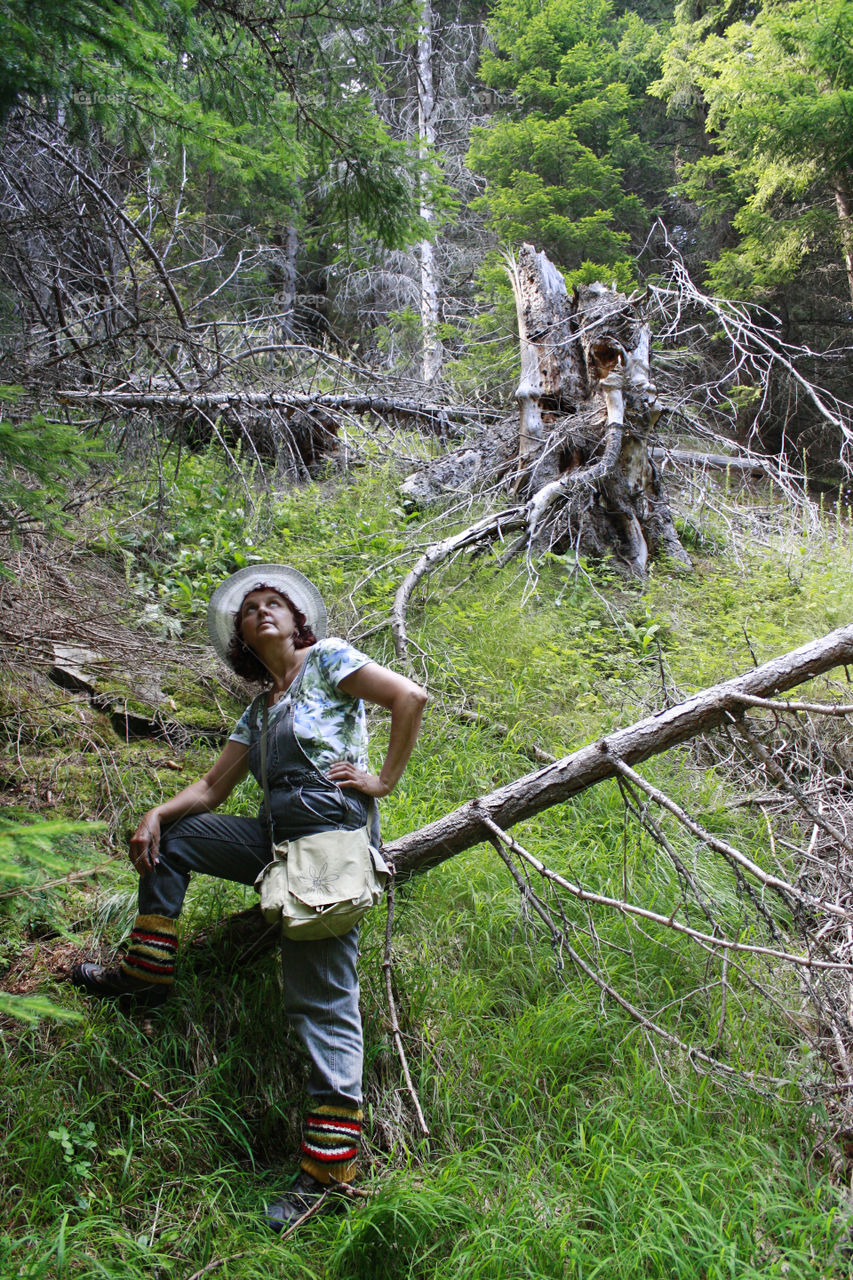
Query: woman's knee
x,y
214,844
195,824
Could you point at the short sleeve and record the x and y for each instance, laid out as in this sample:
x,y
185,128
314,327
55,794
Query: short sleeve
x,y
241,732
337,659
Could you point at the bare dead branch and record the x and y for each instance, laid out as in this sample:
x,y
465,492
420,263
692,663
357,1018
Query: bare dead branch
x,y
713,942
787,892
694,1055
485,530
819,708
776,771
392,1007
90,180
714,461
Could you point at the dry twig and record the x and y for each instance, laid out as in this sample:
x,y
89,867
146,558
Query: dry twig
x,y
392,1007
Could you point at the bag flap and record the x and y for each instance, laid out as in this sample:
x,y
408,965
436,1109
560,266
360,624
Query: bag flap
x,y
332,866
380,866
260,876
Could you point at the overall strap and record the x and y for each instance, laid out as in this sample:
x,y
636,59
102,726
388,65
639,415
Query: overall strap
x,y
263,701
264,780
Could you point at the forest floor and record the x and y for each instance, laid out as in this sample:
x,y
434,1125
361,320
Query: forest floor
x,y
565,1139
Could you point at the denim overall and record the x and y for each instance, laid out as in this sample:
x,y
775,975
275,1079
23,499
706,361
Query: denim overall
x,y
321,991
302,800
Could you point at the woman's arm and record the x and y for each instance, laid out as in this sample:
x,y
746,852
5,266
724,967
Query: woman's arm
x,y
406,701
199,797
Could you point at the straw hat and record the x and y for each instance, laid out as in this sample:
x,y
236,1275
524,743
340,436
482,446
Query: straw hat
x,y
229,595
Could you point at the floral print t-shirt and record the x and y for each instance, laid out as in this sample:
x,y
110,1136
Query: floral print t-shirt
x,y
329,724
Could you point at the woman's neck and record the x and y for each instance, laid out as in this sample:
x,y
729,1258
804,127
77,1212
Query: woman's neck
x,y
286,669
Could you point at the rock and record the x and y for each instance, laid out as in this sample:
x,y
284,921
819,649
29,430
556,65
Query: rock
x,y
456,473
71,667
82,670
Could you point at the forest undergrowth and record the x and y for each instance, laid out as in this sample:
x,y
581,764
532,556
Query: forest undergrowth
x,y
564,1140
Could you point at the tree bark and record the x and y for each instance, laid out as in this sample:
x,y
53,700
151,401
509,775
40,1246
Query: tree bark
x,y
553,376
587,404
427,847
844,208
432,349
284,278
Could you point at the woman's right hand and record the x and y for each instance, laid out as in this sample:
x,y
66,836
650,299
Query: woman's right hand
x,y
145,843
199,797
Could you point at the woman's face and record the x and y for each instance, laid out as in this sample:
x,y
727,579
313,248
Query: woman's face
x,y
264,616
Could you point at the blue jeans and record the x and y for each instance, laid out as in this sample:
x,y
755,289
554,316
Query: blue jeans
x,y
321,990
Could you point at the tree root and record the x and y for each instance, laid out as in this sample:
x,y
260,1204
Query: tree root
x,y
484,531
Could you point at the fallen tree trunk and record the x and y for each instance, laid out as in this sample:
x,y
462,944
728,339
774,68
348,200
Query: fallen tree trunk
x,y
217,401
247,933
712,461
298,431
428,846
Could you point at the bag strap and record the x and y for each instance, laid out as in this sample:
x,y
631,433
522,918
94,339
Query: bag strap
x,y
263,700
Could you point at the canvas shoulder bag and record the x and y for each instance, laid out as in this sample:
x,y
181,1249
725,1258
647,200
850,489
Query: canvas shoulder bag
x,y
317,886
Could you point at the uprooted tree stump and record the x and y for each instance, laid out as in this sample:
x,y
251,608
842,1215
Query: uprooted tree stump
x,y
579,465
579,462
587,406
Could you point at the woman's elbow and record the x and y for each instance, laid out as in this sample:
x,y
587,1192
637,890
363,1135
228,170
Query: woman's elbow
x,y
416,698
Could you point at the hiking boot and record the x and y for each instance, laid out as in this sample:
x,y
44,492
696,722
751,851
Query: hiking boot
x,y
307,1195
112,983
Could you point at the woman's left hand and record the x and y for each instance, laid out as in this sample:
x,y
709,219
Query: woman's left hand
x,y
346,774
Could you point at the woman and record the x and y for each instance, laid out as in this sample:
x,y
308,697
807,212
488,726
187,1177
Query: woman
x,y
268,622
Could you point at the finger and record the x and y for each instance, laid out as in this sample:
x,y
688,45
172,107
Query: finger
x,y
144,855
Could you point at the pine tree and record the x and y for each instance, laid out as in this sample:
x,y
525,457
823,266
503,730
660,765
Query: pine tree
x,y
575,165
274,101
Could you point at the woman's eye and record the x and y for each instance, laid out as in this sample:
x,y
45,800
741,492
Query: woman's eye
x,y
268,604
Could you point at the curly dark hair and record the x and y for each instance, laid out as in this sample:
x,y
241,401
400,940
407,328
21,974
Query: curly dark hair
x,y
244,660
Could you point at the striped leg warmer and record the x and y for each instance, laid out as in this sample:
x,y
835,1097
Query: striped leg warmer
x,y
330,1142
151,954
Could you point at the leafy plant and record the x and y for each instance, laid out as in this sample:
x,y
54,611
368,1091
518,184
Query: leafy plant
x,y
78,1146
24,846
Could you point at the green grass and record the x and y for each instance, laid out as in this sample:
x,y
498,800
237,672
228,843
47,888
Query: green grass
x,y
563,1143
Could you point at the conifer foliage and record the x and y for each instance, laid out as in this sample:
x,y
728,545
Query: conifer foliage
x,y
575,162
775,88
